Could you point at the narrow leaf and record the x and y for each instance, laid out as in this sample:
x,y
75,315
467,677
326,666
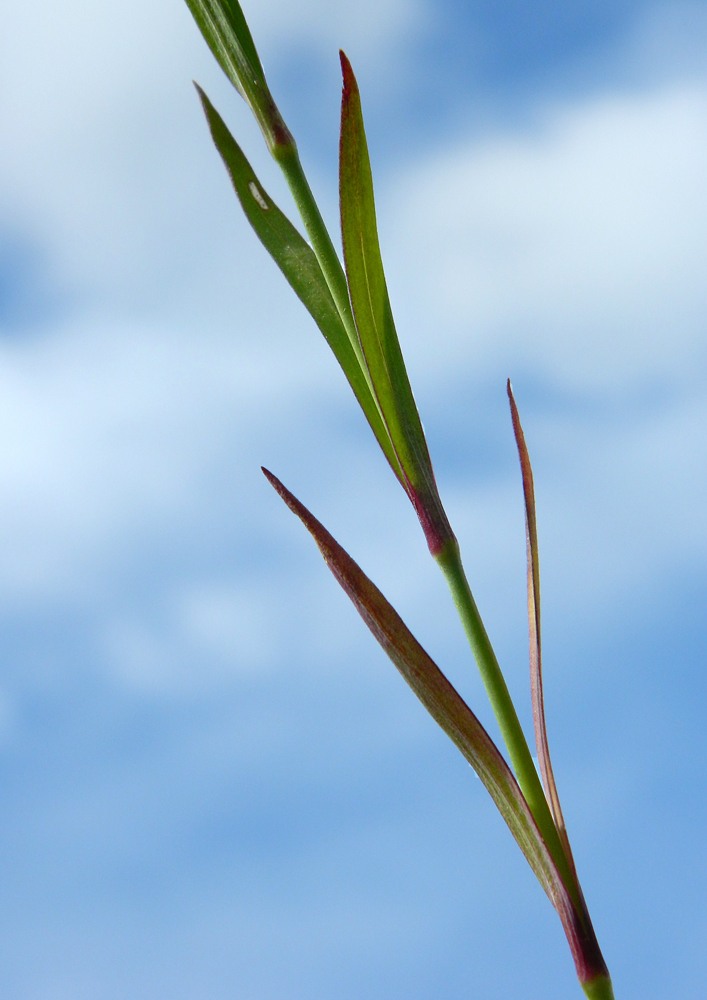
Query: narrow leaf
x,y
536,673
454,716
224,27
299,265
374,318
226,32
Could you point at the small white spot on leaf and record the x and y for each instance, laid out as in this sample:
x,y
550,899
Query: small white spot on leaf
x,y
253,188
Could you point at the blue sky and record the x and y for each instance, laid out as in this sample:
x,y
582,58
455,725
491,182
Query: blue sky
x,y
212,782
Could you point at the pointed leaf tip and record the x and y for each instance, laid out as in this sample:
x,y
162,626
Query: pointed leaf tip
x,y
349,79
306,517
281,489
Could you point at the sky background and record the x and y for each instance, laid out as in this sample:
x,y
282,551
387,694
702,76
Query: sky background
x,y
212,782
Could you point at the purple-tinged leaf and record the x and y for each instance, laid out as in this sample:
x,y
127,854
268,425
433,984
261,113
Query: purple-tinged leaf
x,y
536,673
454,716
599,985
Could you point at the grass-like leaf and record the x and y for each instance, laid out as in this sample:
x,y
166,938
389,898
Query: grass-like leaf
x,y
374,317
600,987
453,715
227,34
536,671
298,263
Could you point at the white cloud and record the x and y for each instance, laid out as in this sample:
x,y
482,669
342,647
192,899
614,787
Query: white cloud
x,y
113,432
369,27
106,162
621,507
577,249
230,629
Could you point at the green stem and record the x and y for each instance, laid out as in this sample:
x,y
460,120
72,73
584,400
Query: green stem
x,y
450,563
599,989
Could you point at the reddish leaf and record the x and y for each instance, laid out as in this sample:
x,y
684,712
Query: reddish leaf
x,y
451,712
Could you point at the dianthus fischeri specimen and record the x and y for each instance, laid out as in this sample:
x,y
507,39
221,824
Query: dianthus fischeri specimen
x,y
350,305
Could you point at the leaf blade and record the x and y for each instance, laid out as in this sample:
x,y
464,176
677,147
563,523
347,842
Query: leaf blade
x,y
298,264
535,643
374,317
226,32
454,716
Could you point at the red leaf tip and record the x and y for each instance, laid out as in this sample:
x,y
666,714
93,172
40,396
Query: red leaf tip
x,y
290,499
273,480
350,85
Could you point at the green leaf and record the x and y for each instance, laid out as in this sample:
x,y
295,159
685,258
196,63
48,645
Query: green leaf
x,y
224,27
374,318
451,712
298,263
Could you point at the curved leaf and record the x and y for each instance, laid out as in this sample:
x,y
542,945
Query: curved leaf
x,y
536,672
451,712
